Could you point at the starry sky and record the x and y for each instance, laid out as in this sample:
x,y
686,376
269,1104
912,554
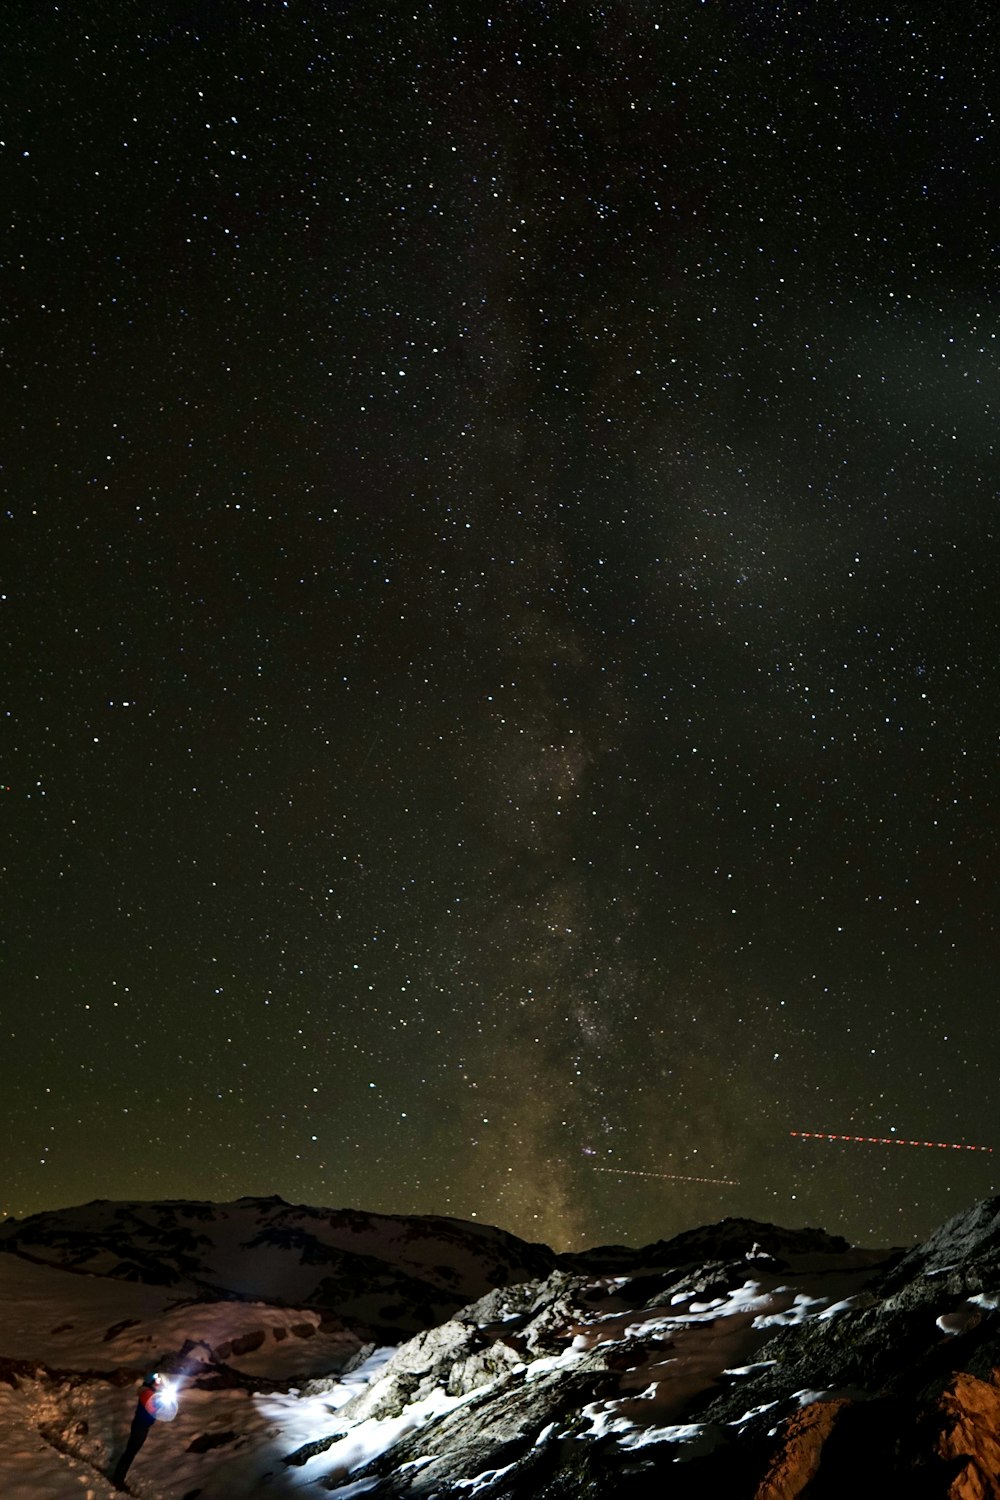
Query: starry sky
x,y
499,610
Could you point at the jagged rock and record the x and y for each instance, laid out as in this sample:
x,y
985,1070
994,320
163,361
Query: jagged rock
x,y
966,1247
502,1431
797,1458
479,1369
712,1280
945,1447
968,1442
420,1366
554,1310
503,1303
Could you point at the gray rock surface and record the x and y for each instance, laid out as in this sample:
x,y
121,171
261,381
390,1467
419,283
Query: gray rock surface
x,y
740,1359
827,1373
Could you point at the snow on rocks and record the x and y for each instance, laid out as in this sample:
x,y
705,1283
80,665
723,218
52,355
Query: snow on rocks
x,y
377,1269
960,1320
579,1380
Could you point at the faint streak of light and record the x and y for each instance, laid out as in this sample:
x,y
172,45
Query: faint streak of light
x,y
671,1176
368,752
885,1140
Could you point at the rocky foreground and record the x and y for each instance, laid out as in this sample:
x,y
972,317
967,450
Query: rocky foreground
x,y
736,1360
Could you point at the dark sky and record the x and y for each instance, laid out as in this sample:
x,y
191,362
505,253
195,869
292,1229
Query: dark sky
x,y
500,602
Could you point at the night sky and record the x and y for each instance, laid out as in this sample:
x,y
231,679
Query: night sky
x,y
499,610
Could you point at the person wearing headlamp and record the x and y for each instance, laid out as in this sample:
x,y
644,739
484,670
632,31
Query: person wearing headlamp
x,y
157,1403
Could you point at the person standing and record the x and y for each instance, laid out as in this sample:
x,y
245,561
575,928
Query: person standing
x,y
157,1402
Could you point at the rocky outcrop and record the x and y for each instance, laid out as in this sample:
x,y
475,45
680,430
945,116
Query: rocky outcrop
x,y
726,1240
503,1439
740,1359
945,1446
966,1247
579,1384
796,1460
965,1448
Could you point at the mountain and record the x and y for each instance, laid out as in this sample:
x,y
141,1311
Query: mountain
x,y
387,1276
735,1360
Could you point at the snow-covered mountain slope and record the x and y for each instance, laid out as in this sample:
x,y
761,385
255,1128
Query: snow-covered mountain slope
x,y
75,1323
739,1360
383,1273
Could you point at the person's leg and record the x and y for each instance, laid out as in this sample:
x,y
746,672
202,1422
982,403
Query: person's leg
x,y
136,1438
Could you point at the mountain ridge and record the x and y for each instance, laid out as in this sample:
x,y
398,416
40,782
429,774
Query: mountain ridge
x,y
440,1357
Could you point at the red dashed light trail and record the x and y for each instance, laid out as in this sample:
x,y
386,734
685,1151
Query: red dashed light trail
x,y
670,1176
885,1140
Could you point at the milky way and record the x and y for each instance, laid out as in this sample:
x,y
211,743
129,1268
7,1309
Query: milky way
x,y
499,597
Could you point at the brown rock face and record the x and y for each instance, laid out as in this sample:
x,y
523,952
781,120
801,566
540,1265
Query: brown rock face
x,y
797,1459
947,1448
969,1411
